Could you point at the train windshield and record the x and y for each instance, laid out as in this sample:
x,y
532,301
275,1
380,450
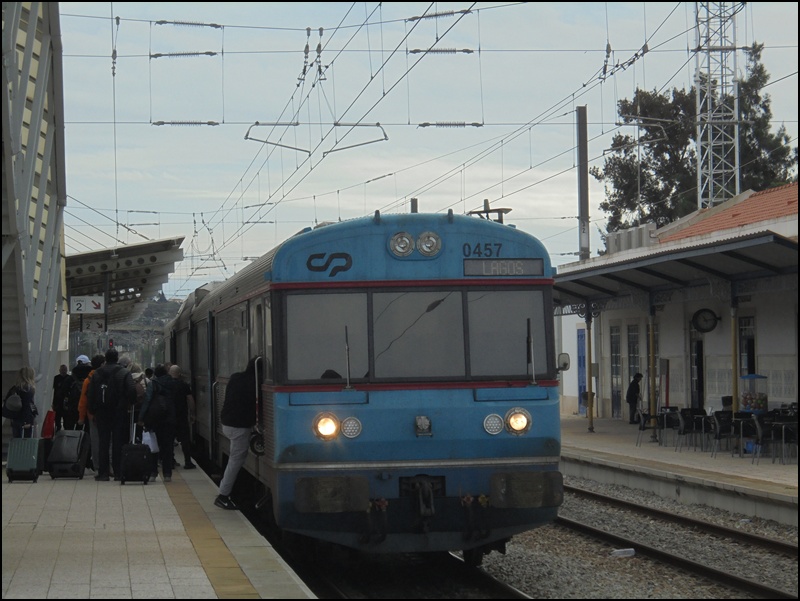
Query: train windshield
x,y
396,334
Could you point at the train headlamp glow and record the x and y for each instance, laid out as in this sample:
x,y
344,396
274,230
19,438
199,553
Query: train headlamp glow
x,y
351,427
518,421
429,244
402,244
493,424
326,426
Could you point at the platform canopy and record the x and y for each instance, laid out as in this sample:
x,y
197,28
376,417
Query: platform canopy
x,y
124,277
737,259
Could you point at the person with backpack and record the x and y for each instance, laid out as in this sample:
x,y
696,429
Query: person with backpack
x,y
111,397
184,415
140,381
85,418
58,380
22,422
69,395
158,416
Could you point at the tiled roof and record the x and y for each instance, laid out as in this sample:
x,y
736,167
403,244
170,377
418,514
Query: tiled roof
x,y
766,205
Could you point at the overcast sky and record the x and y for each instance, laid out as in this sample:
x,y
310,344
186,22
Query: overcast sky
x,y
365,124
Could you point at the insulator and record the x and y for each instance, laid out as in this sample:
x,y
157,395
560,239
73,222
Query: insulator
x,y
185,123
189,24
182,54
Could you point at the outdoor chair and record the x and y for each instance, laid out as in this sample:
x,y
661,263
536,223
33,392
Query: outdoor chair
x,y
644,425
688,427
765,437
722,429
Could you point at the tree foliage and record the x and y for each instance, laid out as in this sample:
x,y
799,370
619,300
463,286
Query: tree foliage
x,y
651,176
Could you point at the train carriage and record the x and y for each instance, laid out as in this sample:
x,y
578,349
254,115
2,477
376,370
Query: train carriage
x,y
410,397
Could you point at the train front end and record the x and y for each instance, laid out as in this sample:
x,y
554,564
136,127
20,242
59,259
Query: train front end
x,y
416,402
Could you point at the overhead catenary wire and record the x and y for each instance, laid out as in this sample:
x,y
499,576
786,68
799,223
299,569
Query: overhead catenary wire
x,y
287,196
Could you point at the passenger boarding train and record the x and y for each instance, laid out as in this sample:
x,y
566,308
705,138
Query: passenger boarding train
x,y
409,399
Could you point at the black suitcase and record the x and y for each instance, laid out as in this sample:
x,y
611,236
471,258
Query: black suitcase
x,y
24,459
136,462
68,455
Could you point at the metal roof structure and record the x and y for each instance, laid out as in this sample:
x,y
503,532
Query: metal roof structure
x,y
126,276
733,260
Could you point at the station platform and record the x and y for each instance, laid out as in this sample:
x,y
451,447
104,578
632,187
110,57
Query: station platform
x,y
765,489
81,539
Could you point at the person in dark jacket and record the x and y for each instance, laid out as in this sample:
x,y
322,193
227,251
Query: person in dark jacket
x,y
25,386
163,427
632,397
70,413
184,415
58,381
112,419
238,417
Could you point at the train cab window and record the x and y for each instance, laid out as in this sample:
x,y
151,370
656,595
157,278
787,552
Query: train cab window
x,y
320,330
498,332
418,334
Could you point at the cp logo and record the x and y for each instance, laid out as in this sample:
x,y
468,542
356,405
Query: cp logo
x,y
319,262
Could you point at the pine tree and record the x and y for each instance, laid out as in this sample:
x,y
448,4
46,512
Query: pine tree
x,y
655,179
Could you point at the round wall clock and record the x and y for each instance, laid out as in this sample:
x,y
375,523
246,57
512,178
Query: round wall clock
x,y
704,320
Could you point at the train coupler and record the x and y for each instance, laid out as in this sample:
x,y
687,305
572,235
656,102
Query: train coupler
x,y
476,517
377,521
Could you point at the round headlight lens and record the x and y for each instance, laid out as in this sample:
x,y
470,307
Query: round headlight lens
x,y
518,421
326,426
493,424
402,244
429,244
351,427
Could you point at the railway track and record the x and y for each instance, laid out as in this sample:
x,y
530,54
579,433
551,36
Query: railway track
x,y
334,572
412,576
786,548
679,559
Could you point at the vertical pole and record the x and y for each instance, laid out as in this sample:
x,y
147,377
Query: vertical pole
x,y
589,374
652,359
583,185
734,357
651,364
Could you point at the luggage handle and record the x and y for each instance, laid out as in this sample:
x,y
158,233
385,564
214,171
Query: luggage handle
x,y
133,428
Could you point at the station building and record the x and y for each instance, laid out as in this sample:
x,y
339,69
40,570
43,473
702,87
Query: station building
x,y
700,307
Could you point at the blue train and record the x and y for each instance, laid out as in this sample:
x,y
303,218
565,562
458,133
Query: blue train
x,y
410,395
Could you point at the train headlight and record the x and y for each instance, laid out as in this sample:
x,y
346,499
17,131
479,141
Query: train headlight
x,y
429,244
351,427
402,244
518,421
493,424
326,426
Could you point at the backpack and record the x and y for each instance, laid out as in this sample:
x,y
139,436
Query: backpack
x,y
70,394
157,409
104,394
12,404
141,389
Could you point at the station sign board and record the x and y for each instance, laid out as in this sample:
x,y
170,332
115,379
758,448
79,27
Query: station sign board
x,y
87,304
93,324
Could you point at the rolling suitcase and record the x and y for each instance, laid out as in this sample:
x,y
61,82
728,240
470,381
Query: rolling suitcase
x,y
24,459
67,457
136,462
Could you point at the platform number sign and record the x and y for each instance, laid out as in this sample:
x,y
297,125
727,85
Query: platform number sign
x,y
87,304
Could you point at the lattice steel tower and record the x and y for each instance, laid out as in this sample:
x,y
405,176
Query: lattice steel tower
x,y
717,102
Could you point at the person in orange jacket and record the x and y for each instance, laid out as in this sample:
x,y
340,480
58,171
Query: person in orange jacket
x,y
84,415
